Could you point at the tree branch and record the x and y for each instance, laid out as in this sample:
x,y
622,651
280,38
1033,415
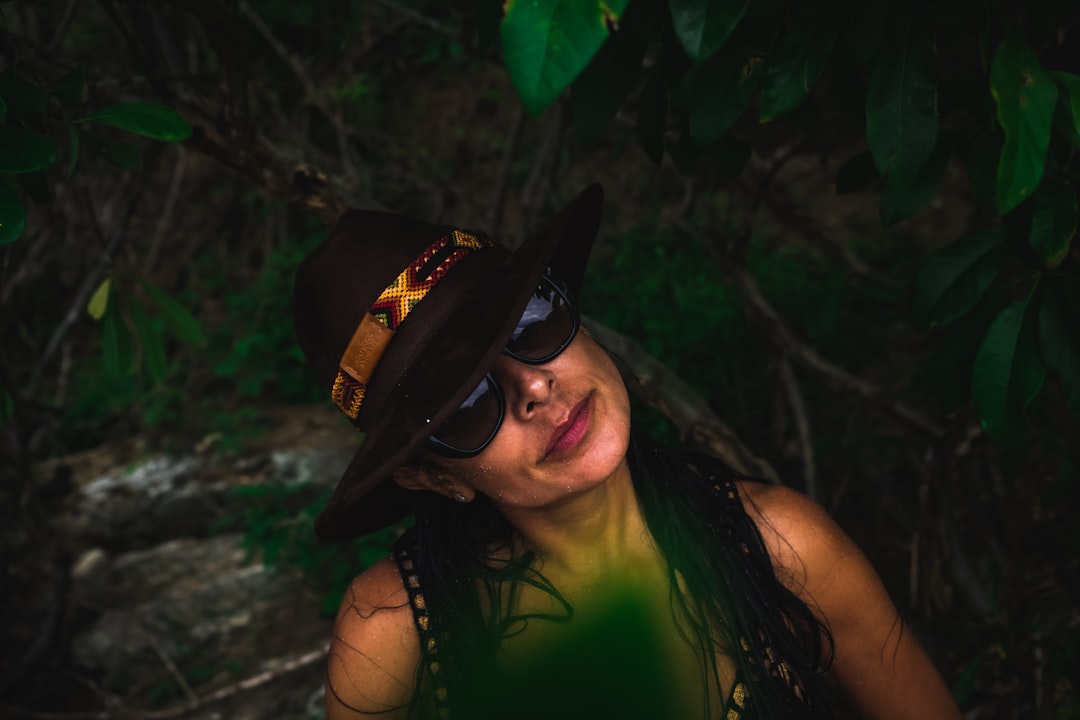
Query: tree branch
x,y
784,339
784,209
297,182
657,385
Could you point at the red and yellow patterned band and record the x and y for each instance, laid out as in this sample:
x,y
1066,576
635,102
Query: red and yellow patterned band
x,y
377,327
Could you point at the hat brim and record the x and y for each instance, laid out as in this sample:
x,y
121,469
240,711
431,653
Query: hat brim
x,y
458,354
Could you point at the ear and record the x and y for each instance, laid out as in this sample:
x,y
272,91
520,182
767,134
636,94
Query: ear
x,y
417,477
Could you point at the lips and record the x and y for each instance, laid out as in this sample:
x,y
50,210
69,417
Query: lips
x,y
571,431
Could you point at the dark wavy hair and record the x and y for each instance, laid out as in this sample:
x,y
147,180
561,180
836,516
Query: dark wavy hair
x,y
724,592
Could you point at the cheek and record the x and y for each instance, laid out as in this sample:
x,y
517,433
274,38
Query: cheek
x,y
489,472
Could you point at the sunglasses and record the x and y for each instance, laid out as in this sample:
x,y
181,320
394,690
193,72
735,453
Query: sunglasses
x,y
546,328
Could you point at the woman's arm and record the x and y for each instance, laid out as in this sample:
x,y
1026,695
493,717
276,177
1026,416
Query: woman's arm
x,y
878,662
375,651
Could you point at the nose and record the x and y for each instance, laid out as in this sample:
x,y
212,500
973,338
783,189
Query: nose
x,y
525,386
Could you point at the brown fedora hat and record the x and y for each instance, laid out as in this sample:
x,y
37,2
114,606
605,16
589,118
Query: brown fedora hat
x,y
401,319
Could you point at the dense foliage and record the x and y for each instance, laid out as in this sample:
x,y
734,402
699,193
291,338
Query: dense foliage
x,y
848,226
928,87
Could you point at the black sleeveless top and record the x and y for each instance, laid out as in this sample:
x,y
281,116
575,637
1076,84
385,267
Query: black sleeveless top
x,y
432,639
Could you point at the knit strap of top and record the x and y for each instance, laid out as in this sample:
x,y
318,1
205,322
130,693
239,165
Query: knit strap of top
x,y
429,642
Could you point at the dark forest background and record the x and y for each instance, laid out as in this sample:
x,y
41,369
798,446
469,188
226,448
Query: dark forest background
x,y
837,250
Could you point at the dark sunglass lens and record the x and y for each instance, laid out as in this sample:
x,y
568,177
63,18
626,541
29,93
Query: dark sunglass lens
x,y
473,424
545,327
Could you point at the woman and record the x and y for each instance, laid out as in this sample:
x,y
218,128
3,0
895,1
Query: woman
x,y
559,567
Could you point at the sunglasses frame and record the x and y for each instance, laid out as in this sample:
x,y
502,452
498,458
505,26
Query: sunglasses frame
x,y
446,450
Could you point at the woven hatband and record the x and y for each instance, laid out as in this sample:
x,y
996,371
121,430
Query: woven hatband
x,y
394,304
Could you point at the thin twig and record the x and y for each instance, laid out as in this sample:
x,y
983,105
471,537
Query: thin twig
x,y
250,683
505,165
62,378
193,703
784,209
170,666
129,37
802,426
310,90
90,283
62,25
297,182
283,52
785,340
167,212
537,187
93,278
418,17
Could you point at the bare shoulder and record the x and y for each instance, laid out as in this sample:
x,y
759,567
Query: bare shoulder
x,y
798,533
876,661
375,650
812,555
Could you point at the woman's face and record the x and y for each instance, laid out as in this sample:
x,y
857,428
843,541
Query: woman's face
x,y
566,429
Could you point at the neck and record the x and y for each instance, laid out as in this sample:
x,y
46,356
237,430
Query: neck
x,y
590,536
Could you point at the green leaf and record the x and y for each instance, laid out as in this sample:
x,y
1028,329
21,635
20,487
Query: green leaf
x,y
1025,95
901,103
718,91
1008,372
182,323
953,279
116,351
151,343
600,90
1053,223
703,26
69,89
902,200
798,60
547,43
652,115
855,174
1061,345
99,301
148,119
23,150
12,215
